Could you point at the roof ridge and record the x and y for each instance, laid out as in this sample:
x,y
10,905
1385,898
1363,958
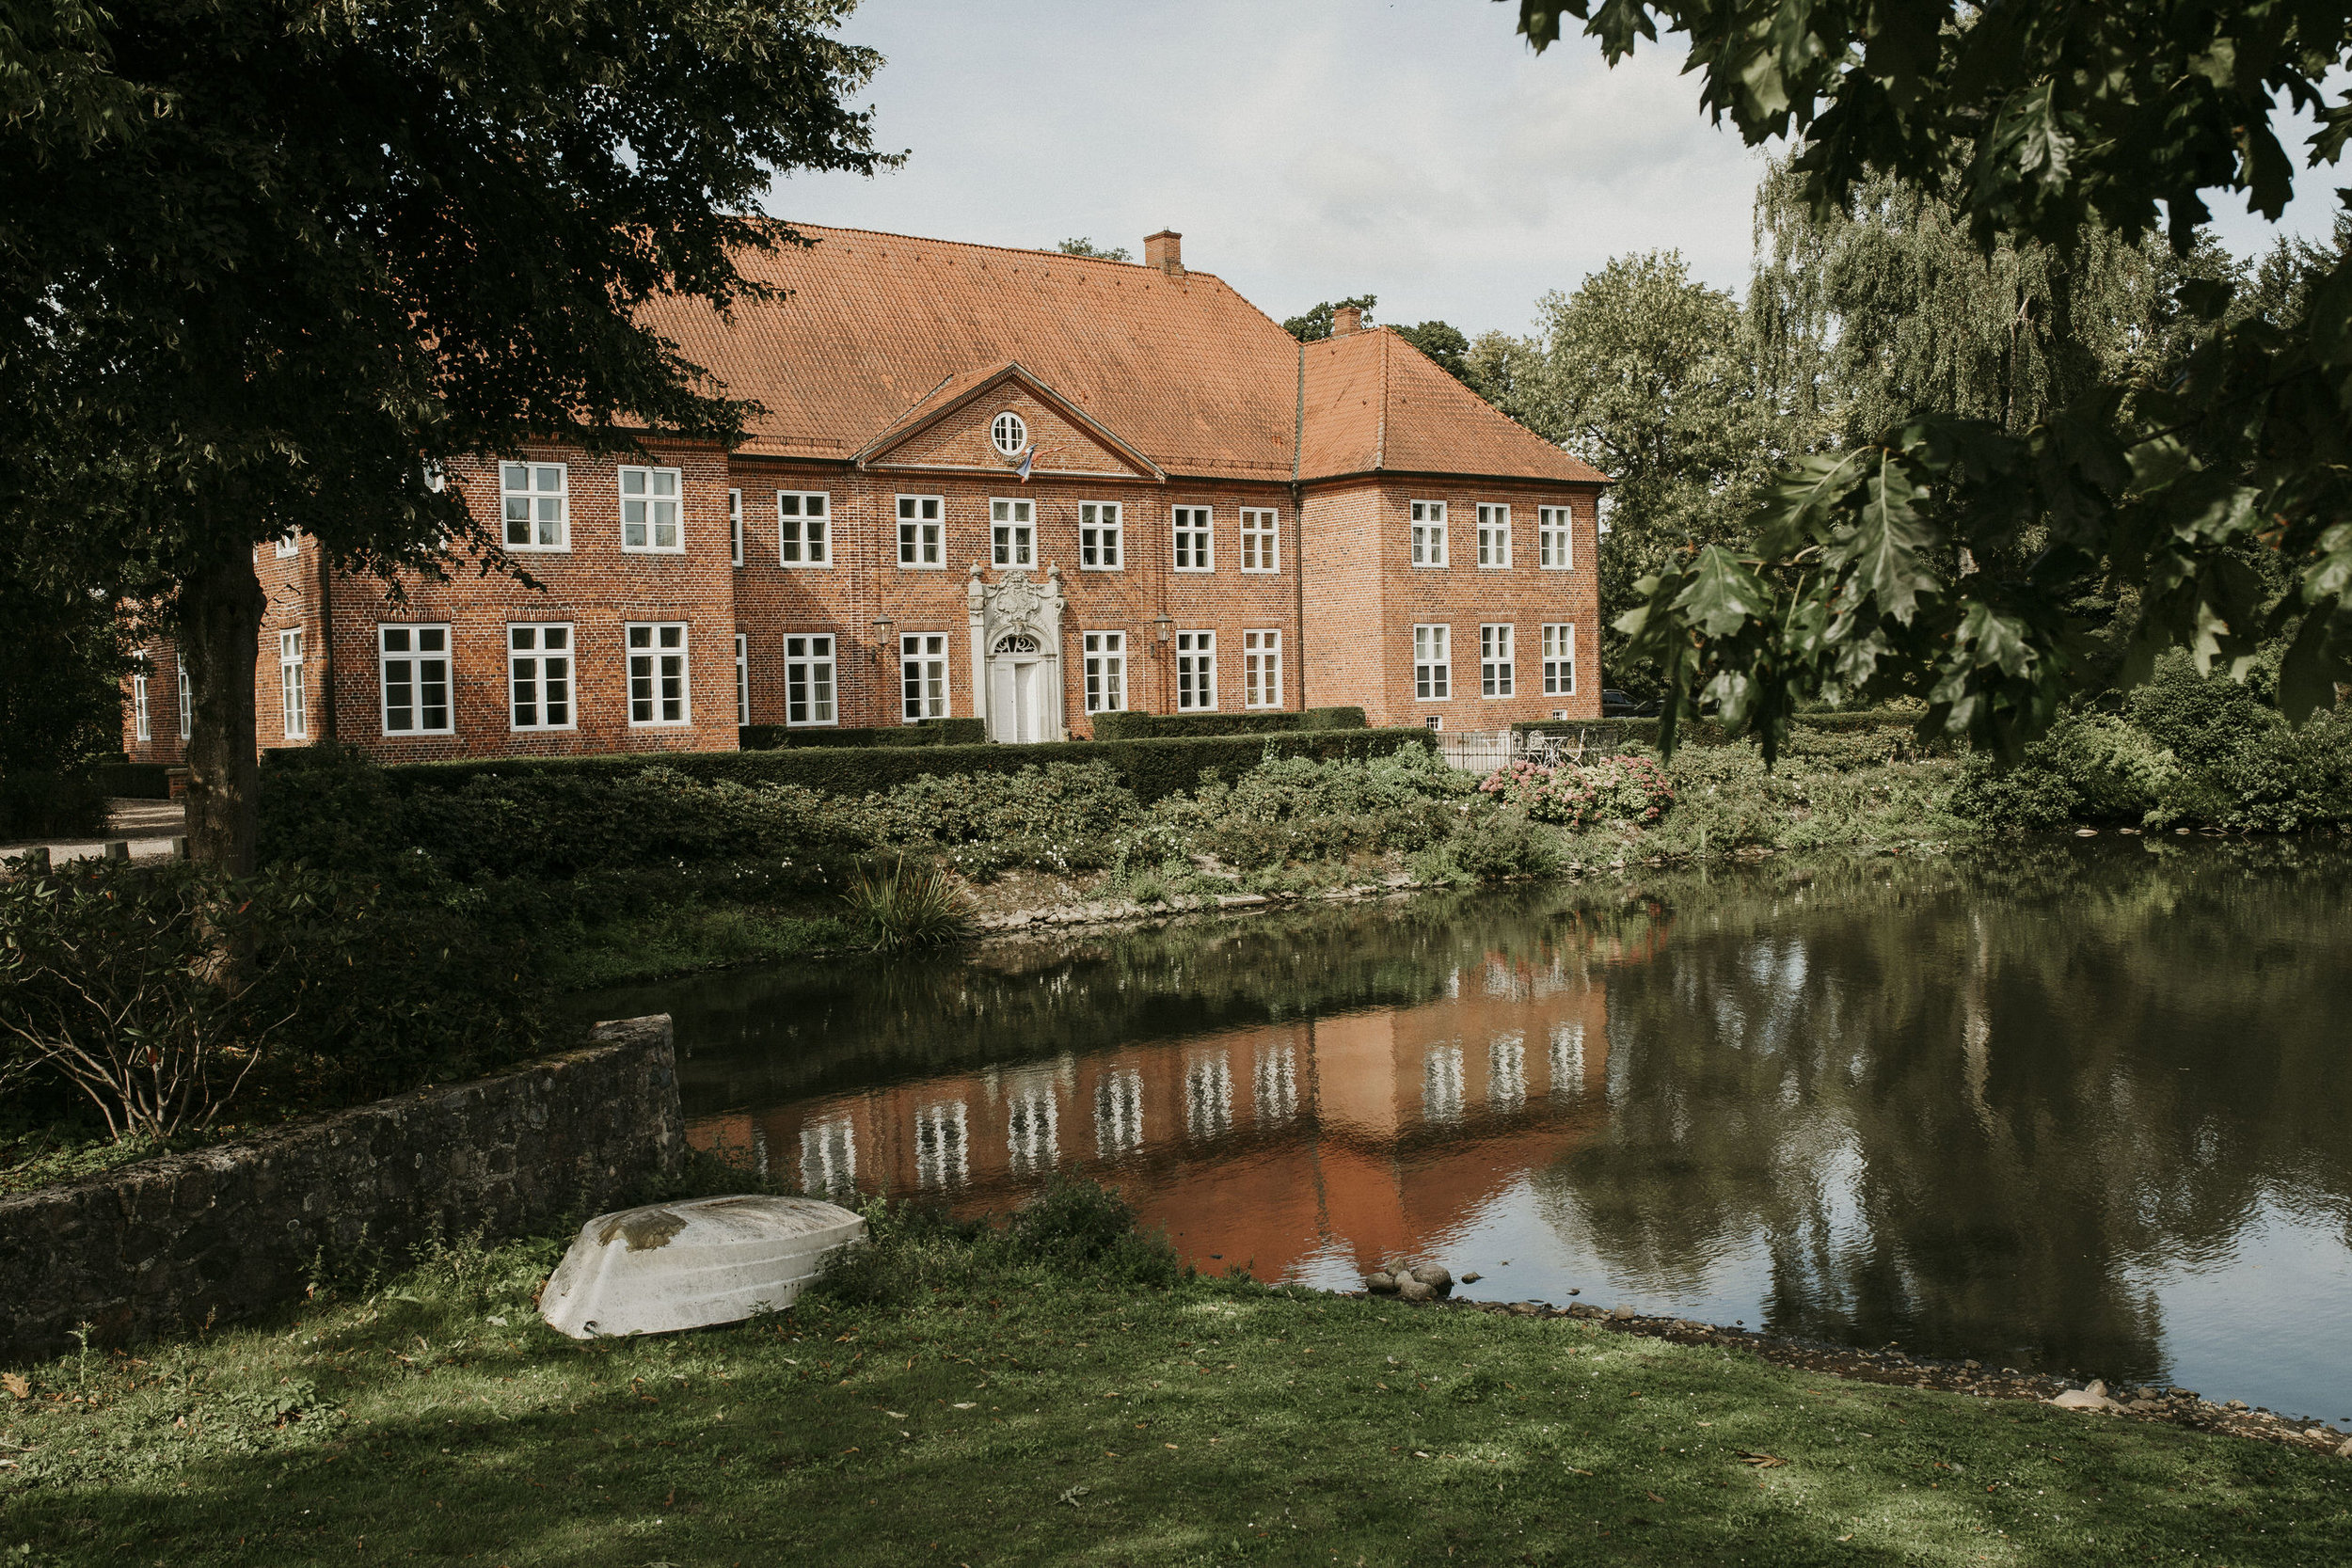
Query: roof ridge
x,y
1380,431
1007,250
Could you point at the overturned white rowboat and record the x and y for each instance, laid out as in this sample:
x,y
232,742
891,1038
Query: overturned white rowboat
x,y
669,1266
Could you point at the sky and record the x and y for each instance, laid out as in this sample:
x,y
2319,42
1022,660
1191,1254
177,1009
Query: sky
x,y
1307,149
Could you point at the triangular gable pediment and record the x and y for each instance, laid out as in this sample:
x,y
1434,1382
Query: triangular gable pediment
x,y
949,430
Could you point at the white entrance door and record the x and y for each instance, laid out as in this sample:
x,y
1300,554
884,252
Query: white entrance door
x,y
1016,698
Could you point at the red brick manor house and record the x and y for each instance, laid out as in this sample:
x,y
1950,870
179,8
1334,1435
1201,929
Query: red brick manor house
x,y
1005,485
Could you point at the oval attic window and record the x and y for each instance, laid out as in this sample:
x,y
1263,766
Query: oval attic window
x,y
1009,433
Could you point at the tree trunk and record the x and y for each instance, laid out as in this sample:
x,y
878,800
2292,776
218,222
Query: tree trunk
x,y
220,626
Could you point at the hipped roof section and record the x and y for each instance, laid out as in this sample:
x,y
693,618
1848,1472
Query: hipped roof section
x,y
876,331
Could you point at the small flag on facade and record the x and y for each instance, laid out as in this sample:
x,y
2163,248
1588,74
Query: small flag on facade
x,y
1028,455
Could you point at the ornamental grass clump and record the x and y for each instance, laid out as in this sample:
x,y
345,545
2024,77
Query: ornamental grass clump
x,y
1612,789
918,904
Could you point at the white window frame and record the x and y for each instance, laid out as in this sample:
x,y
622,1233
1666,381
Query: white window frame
x,y
293,697
1260,539
1102,536
652,498
653,651
1009,432
1555,538
1105,669
141,727
537,505
1012,532
924,689
922,532
1494,535
1559,654
187,697
818,672
415,652
743,679
1433,663
1428,518
1497,670
540,655
1195,671
289,544
1192,538
1260,668
804,548
735,526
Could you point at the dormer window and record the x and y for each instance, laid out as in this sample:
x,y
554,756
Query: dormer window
x,y
1009,433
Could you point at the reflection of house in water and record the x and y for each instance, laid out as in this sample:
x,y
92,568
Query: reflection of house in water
x,y
1357,1135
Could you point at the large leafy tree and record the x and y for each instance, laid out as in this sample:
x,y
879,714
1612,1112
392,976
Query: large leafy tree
x,y
2222,497
265,266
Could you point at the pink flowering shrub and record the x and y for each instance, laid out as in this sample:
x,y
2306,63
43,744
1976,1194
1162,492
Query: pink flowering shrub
x,y
1612,789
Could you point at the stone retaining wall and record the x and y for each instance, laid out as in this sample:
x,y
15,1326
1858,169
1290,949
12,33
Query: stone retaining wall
x,y
171,1243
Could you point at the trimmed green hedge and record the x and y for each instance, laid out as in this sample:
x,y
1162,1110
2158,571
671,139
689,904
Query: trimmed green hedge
x,y
928,731
1174,726
133,781
36,803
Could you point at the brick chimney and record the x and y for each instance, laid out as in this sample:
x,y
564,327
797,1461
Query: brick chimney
x,y
1165,251
1346,322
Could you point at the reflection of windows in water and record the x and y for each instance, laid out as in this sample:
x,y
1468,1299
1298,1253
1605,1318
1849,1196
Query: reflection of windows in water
x,y
1119,1114
1502,979
1568,1058
1208,1097
828,1156
943,1152
1442,1083
1276,1097
1506,1072
1033,1130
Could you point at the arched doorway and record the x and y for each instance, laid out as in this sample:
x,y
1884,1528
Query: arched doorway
x,y
1016,655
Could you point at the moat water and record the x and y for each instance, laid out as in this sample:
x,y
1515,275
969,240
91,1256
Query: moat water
x,y
2077,1107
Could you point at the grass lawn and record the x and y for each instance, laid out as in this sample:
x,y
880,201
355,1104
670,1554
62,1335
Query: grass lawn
x,y
1011,1413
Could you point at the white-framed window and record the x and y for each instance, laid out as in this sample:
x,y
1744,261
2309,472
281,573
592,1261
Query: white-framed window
x,y
1102,546
1494,535
1495,674
1195,671
1260,539
743,679
187,699
1433,663
1196,539
808,680
536,498
735,526
139,722
289,545
649,511
1013,530
294,700
922,675
658,692
1106,672
539,676
412,664
1261,669
1558,660
804,528
922,533
1555,536
1009,433
1428,533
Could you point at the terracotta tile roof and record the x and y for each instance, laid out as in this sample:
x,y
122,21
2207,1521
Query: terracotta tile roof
x,y
1376,402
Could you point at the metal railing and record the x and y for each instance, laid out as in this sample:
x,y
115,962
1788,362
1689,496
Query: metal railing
x,y
1482,751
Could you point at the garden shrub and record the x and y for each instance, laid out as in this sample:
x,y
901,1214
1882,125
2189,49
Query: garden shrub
x,y
1294,809
1492,846
924,732
38,803
1612,790
1062,816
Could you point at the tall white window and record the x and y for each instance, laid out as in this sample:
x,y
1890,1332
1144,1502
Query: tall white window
x,y
1558,660
1101,549
1106,672
922,675
1442,1083
140,723
1433,663
539,676
735,526
808,697
804,529
658,688
922,537
1261,669
1494,661
1555,534
1494,535
293,702
187,700
1261,540
536,498
1195,549
1012,532
413,664
1428,533
1209,1096
1195,671
649,510
743,679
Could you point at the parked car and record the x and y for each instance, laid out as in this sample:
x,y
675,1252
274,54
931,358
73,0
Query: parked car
x,y
1617,704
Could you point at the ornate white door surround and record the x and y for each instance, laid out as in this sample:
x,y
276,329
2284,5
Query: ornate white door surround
x,y
1016,654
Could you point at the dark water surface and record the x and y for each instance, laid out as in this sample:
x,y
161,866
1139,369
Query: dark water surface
x,y
2079,1106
